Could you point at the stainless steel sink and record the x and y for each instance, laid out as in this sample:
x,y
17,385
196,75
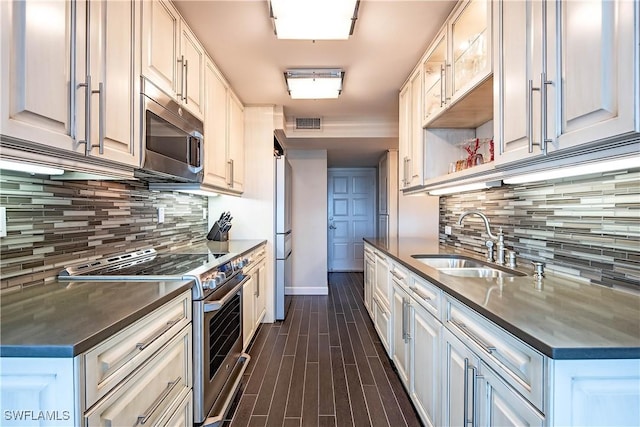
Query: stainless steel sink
x,y
461,266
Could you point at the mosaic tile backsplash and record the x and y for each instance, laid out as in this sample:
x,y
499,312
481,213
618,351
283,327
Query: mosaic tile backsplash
x,y
55,223
587,227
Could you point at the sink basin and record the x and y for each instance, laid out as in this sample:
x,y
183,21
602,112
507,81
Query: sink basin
x,y
461,266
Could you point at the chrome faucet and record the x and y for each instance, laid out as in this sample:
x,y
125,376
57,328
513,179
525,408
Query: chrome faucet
x,y
489,243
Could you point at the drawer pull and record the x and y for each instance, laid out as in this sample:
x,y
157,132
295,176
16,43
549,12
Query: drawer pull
x,y
142,419
420,294
488,348
397,276
142,345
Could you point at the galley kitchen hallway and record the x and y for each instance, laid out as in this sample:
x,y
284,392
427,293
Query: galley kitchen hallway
x,y
323,366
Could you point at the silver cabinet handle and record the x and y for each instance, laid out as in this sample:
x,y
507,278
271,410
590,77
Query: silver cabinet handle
x,y
530,91
142,419
101,114
181,94
474,376
465,391
186,81
488,348
397,276
442,88
230,179
404,326
87,114
543,112
141,346
420,294
405,319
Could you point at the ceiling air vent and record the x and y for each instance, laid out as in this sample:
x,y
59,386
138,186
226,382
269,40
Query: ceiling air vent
x,y
308,123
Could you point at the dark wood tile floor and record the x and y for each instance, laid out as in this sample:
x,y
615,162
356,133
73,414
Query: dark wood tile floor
x,y
322,366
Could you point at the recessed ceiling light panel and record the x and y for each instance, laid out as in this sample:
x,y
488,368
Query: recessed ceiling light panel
x,y
314,19
314,83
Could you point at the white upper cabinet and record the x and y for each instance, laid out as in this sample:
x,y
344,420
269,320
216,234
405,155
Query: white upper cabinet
x,y
411,144
224,133
172,57
458,67
569,78
70,83
36,105
115,109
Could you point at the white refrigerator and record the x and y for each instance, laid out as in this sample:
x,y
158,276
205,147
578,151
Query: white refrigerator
x,y
283,233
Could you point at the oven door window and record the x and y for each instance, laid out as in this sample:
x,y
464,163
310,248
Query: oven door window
x,y
225,328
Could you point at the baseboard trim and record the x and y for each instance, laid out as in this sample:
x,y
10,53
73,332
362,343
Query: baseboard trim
x,y
301,290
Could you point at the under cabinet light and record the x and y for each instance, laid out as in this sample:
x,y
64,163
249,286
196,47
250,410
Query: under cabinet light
x,y
324,83
465,187
570,171
30,168
314,19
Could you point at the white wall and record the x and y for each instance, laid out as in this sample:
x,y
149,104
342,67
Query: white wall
x,y
418,216
309,222
253,213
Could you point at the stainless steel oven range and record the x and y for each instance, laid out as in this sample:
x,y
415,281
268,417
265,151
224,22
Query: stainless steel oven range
x,y
218,360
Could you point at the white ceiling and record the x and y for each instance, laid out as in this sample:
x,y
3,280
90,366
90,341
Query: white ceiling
x,y
389,38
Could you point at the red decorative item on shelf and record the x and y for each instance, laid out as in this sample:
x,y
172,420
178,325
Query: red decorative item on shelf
x,y
472,152
491,150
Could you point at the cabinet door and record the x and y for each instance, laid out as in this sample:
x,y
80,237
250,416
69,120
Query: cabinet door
x,y
435,72
369,279
38,82
382,288
500,405
261,292
416,161
192,55
215,127
520,55
160,48
381,321
458,394
470,32
115,118
400,306
404,135
248,310
595,82
425,364
236,142
41,385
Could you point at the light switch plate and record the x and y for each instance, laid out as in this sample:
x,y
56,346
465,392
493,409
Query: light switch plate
x,y
204,213
447,230
160,215
3,221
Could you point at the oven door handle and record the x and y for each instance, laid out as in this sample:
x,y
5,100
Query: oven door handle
x,y
217,304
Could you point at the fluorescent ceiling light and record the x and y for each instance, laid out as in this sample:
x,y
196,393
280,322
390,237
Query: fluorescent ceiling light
x,y
314,83
583,169
314,19
465,187
30,168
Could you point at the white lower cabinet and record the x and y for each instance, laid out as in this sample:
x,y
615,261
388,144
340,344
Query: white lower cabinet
x,y
416,353
500,405
254,295
149,394
369,277
460,369
181,416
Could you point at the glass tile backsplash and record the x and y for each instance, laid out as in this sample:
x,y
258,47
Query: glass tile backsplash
x,y
587,227
54,223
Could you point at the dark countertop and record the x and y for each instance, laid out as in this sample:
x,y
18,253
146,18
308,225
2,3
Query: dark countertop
x,y
563,319
65,319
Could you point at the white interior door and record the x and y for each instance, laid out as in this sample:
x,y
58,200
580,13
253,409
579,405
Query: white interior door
x,y
351,210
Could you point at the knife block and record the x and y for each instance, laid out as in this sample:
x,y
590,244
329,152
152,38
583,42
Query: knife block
x,y
216,234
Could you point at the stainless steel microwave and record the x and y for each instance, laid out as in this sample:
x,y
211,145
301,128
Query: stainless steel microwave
x,y
172,139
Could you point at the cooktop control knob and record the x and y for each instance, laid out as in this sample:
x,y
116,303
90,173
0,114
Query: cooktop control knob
x,y
209,284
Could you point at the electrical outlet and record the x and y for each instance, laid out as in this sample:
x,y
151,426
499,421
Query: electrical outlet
x,y
3,221
447,230
160,215
204,213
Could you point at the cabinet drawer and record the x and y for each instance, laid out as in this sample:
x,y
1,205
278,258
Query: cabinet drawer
x,y
111,361
381,323
149,394
427,295
180,414
521,366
